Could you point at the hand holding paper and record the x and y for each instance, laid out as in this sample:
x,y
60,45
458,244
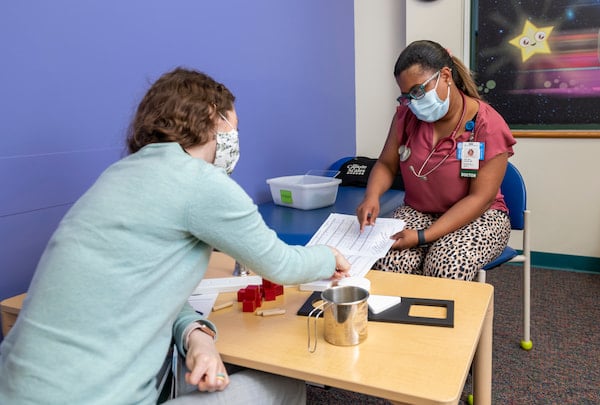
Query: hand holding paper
x,y
362,249
343,232
342,265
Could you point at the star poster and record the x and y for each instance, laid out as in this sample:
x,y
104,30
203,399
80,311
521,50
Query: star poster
x,y
538,62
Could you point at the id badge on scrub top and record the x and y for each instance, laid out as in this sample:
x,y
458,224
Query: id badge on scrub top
x,y
469,154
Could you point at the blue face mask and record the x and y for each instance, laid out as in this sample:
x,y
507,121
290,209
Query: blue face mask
x,y
430,108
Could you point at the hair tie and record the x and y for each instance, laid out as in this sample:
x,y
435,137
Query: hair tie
x,y
449,53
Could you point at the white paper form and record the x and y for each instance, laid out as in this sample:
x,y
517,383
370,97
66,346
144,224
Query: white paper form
x,y
203,303
362,250
342,231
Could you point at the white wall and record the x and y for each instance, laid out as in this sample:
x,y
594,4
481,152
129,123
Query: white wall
x,y
563,193
561,174
378,39
441,21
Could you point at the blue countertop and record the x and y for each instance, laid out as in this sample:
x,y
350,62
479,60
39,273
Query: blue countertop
x,y
296,227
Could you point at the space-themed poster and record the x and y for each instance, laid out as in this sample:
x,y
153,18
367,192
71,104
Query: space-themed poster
x,y
538,62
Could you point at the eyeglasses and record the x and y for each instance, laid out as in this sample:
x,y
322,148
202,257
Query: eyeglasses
x,y
417,92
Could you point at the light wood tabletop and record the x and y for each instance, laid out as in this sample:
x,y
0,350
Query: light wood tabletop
x,y
403,363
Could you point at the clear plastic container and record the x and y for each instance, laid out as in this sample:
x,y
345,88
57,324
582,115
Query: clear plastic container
x,y
316,189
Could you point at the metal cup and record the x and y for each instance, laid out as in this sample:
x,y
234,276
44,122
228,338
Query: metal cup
x,y
345,315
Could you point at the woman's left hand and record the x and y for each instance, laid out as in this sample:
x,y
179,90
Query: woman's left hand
x,y
207,369
405,239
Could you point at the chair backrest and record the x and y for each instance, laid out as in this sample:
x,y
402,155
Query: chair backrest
x,y
337,165
515,196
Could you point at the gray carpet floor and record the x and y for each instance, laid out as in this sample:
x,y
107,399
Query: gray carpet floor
x,y
564,365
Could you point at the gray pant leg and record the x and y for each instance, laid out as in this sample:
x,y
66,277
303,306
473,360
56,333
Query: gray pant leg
x,y
250,386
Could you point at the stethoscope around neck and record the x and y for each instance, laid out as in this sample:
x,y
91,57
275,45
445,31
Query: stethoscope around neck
x,y
404,151
420,174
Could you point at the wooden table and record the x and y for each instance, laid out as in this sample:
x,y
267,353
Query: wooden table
x,y
400,362
9,310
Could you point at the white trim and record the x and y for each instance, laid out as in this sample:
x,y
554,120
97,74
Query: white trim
x,y
467,33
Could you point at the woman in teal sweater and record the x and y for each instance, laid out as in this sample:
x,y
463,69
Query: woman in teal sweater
x,y
111,289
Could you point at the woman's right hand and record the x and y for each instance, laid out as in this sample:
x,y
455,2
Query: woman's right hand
x,y
207,371
342,265
367,212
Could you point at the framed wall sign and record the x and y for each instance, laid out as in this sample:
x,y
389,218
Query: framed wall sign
x,y
538,63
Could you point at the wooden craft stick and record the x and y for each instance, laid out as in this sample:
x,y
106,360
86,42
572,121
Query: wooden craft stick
x,y
270,312
222,306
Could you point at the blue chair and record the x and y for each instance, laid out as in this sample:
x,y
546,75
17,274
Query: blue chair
x,y
338,163
515,196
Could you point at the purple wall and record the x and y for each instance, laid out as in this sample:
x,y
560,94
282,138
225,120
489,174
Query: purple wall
x,y
73,71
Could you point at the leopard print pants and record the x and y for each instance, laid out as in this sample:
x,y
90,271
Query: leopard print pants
x,y
459,254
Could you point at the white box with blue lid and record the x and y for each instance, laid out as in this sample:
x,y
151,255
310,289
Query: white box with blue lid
x,y
306,191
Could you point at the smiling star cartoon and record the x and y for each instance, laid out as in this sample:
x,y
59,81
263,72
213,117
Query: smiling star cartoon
x,y
532,40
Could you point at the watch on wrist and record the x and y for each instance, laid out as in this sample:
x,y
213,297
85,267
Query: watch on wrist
x,y
421,236
204,328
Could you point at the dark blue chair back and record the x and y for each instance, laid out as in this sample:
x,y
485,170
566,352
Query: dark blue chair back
x,y
515,196
338,163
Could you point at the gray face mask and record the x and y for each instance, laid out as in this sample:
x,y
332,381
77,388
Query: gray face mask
x,y
228,148
430,108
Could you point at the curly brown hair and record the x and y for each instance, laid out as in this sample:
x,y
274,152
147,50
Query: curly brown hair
x,y
181,106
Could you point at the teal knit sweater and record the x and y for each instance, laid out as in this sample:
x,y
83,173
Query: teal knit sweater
x,y
111,288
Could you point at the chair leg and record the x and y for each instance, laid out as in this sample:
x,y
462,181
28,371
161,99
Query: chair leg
x,y
526,343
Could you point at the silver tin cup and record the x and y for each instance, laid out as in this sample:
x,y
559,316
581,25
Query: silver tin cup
x,y
345,316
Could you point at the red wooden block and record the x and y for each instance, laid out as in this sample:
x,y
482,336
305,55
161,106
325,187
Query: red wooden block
x,y
252,291
241,294
258,301
249,306
278,288
270,294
